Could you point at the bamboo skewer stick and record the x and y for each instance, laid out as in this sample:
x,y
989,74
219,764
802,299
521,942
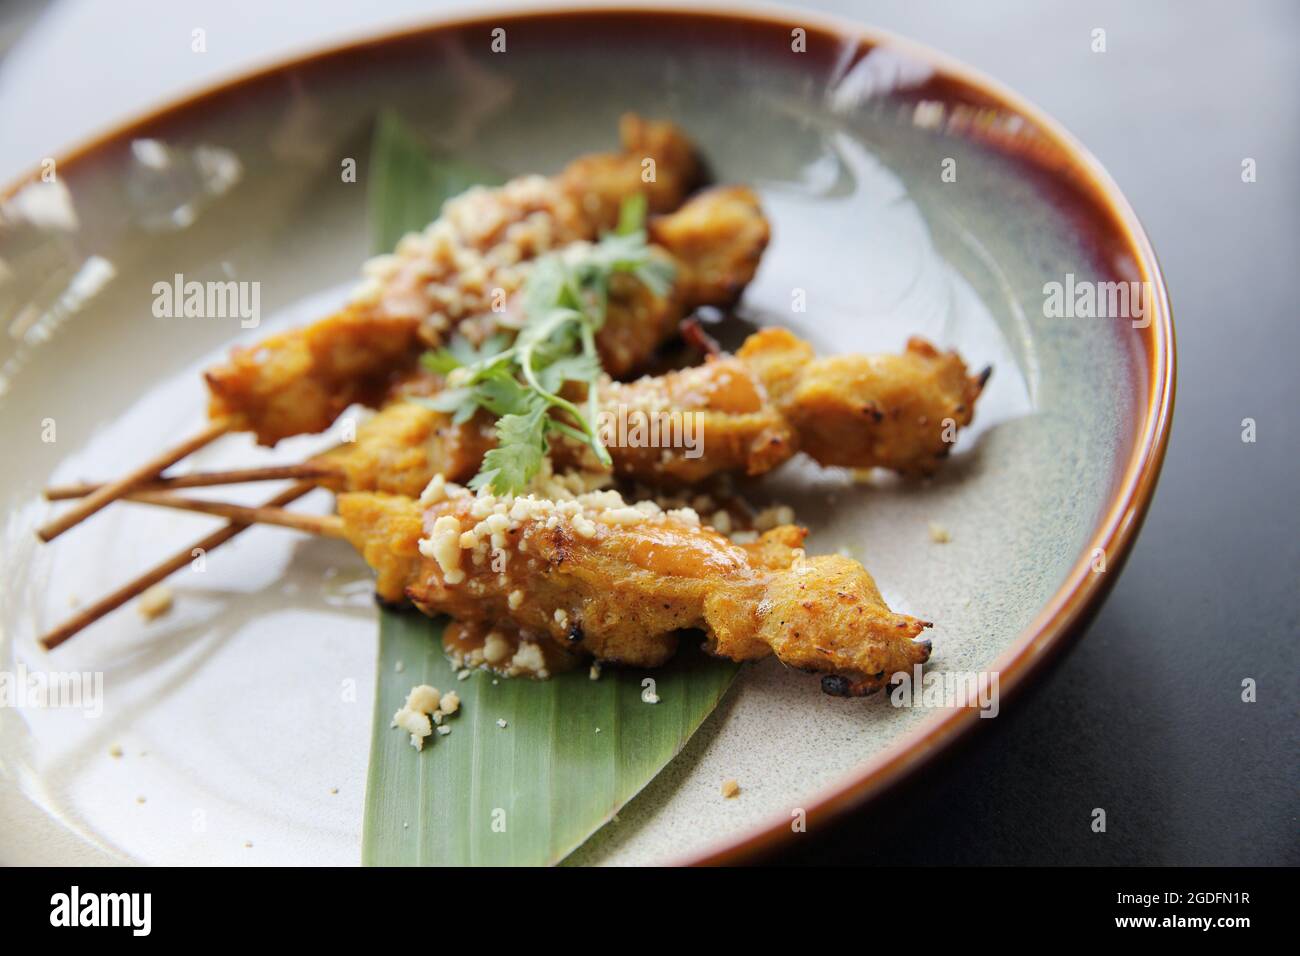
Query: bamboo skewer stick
x,y
203,479
330,526
113,490
116,599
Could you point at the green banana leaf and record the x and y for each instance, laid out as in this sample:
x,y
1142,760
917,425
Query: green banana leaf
x,y
573,750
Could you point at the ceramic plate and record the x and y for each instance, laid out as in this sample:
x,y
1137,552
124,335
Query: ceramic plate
x,y
907,196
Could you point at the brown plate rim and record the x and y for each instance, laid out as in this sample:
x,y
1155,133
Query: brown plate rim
x,y
1061,620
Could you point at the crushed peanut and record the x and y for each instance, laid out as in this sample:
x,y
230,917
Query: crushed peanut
x,y
483,241
435,491
558,498
730,788
528,659
773,517
155,602
496,648
507,652
443,546
422,702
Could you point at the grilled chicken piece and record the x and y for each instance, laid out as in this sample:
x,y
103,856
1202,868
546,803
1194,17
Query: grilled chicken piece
x,y
402,447
718,238
743,414
900,412
298,382
749,413
657,159
715,242
620,583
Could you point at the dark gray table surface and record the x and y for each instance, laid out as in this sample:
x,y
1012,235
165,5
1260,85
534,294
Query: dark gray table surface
x,y
1144,717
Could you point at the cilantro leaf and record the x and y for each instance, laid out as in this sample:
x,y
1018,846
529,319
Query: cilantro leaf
x,y
459,352
631,215
442,361
503,394
521,446
570,368
448,400
564,300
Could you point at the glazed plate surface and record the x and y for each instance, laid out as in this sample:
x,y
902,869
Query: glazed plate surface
x,y
241,713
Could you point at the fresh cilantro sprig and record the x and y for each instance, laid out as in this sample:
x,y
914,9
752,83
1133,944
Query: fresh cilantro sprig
x,y
564,299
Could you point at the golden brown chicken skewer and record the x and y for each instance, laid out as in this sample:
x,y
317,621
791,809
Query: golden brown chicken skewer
x,y
775,397
599,577
619,582
453,274
301,381
742,414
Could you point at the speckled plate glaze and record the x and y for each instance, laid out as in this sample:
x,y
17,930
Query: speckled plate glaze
x,y
240,715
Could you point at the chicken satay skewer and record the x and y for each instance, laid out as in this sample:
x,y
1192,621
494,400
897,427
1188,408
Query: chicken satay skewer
x,y
446,278
596,575
619,582
751,412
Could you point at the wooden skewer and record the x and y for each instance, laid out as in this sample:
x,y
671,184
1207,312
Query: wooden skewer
x,y
203,479
113,490
330,526
113,601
